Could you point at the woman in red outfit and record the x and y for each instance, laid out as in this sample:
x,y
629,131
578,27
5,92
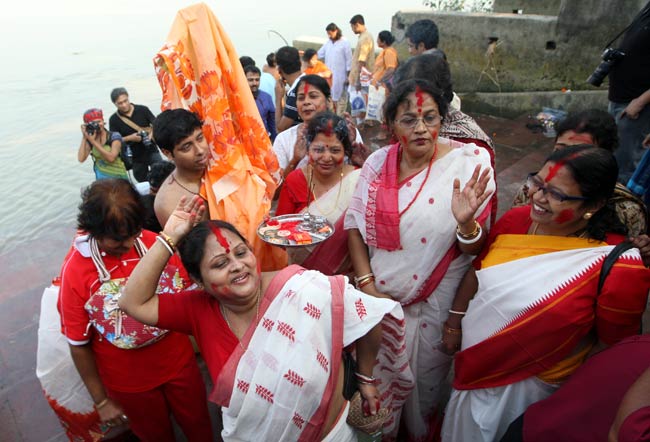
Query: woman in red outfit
x,y
537,310
323,187
136,374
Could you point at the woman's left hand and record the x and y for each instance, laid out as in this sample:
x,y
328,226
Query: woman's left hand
x,y
465,203
370,403
185,216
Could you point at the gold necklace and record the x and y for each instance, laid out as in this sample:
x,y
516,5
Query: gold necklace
x,y
257,314
312,186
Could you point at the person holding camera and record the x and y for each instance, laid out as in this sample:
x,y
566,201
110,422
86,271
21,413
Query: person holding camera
x,y
628,67
102,146
133,122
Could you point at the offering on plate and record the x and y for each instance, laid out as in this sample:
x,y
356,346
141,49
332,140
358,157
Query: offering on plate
x,y
295,230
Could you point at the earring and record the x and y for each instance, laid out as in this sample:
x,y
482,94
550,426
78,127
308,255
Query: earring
x,y
587,215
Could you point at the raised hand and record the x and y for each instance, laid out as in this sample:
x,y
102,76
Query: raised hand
x,y
185,216
465,203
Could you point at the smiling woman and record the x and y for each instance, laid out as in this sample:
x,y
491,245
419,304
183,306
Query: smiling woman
x,y
537,311
304,316
408,223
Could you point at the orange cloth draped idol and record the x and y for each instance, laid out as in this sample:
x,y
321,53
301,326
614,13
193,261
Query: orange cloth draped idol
x,y
198,69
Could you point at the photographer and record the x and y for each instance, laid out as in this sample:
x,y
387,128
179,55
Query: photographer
x,y
103,146
133,122
629,92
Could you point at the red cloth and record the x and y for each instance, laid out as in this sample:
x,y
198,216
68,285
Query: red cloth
x,y
293,196
184,396
387,213
133,370
584,408
636,427
198,314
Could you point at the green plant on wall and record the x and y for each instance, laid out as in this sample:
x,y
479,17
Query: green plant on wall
x,y
460,5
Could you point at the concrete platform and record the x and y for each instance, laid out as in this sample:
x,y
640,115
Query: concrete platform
x,y
25,415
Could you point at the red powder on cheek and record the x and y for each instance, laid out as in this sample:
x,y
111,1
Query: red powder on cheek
x,y
403,140
339,162
565,216
434,134
219,290
221,239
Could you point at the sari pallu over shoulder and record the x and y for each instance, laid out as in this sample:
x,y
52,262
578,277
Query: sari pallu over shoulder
x,y
280,387
520,327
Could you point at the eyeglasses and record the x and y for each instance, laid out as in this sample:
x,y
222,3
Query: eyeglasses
x,y
321,148
430,120
535,183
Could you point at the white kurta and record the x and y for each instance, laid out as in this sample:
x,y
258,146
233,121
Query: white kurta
x,y
338,57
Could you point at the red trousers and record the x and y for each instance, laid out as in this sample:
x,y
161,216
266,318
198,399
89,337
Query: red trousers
x,y
183,396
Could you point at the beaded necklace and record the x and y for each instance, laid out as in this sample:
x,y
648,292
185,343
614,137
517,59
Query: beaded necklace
x,y
417,194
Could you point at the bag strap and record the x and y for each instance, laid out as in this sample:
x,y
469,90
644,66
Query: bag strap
x,y
130,123
609,262
102,272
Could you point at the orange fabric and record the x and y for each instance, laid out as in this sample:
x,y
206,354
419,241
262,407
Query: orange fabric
x,y
561,371
386,59
198,69
320,68
510,247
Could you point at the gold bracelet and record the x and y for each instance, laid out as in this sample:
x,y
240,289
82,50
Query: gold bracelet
x,y
101,403
168,240
451,330
477,228
357,280
365,282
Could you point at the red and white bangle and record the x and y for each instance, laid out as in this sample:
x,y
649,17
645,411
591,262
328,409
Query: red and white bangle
x,y
363,379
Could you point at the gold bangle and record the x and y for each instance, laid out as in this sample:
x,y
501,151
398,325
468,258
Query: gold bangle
x,y
101,403
451,330
365,282
477,228
168,240
357,280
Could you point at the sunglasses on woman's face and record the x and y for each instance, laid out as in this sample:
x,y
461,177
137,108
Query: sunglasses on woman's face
x,y
535,183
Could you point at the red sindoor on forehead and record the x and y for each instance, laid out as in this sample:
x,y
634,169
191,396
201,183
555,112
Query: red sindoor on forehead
x,y
552,171
329,129
220,238
305,88
420,98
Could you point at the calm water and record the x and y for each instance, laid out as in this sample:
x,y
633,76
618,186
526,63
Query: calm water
x,y
67,58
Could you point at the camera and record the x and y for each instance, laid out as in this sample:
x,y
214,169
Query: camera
x,y
92,127
145,138
610,57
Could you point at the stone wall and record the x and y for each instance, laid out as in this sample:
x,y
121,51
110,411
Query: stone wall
x,y
542,7
529,52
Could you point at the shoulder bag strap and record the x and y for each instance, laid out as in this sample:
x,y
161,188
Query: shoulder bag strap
x,y
130,123
609,262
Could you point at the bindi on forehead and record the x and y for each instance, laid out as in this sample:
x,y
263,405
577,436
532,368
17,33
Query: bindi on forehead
x,y
223,242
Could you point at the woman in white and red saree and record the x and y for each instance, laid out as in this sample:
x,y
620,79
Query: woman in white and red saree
x,y
404,221
273,342
537,313
323,187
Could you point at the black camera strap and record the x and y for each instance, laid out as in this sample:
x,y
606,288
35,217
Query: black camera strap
x,y
640,15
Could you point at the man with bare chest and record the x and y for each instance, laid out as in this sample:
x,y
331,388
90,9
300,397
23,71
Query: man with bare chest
x,y
180,137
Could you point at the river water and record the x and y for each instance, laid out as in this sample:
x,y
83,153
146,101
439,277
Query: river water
x,y
62,58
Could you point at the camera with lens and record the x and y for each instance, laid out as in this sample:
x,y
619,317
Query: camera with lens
x,y
145,138
610,57
92,127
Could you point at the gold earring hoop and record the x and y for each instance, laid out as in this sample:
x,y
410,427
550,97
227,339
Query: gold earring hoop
x,y
587,215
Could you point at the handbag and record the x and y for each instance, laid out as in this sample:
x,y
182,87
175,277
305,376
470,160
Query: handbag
x,y
368,424
350,384
376,99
